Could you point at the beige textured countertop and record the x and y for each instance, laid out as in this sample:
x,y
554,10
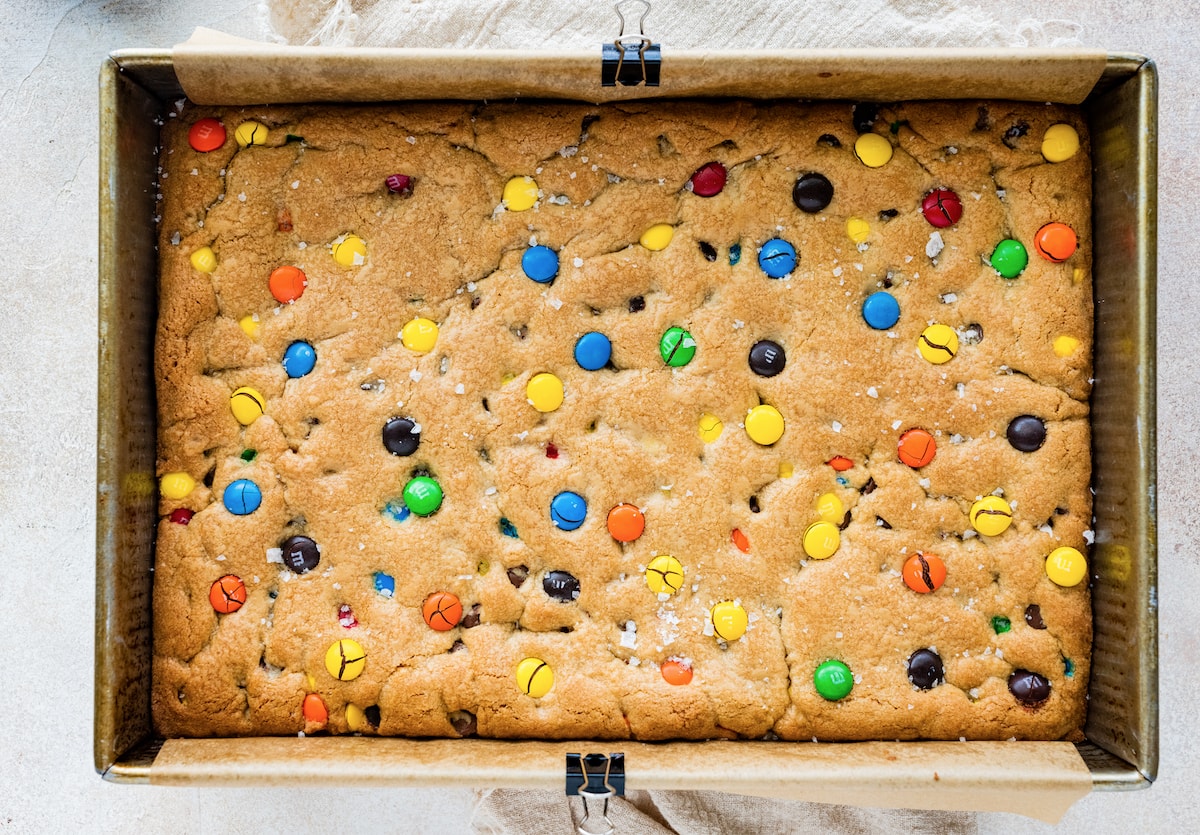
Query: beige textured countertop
x,y
48,218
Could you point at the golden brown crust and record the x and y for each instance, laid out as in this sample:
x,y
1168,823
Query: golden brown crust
x,y
447,253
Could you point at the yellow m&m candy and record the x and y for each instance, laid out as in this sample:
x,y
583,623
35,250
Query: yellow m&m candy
x,y
873,150
204,259
345,659
729,620
857,229
821,540
991,515
1066,566
710,428
831,509
764,425
419,335
1060,143
1065,345
251,133
520,194
938,344
664,575
534,677
349,251
657,237
356,717
177,485
249,325
247,405
544,392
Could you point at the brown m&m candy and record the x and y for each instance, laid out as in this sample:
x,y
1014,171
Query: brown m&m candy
x,y
924,573
300,554
442,611
925,669
916,448
1030,689
942,208
227,594
1056,242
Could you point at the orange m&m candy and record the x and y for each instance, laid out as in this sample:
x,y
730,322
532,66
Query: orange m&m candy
x,y
206,135
626,522
840,463
924,573
442,611
227,594
676,671
315,710
287,284
916,448
1056,242
741,541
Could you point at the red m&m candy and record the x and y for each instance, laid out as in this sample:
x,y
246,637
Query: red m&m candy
x,y
206,135
941,208
181,516
709,180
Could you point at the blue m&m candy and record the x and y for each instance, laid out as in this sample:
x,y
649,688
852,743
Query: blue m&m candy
x,y
540,263
881,310
385,584
242,497
299,359
777,258
593,351
568,510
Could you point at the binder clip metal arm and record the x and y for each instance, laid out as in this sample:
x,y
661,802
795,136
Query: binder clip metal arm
x,y
631,59
596,779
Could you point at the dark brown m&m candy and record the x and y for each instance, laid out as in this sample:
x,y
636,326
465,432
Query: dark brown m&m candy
x,y
1026,433
925,669
709,179
812,192
1033,616
767,358
1030,689
401,436
942,208
300,554
561,586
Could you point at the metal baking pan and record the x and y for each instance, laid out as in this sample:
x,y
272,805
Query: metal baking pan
x,y
137,88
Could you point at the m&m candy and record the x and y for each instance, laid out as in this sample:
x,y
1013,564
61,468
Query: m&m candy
x,y
520,194
287,284
657,237
710,428
1026,433
206,135
299,359
1066,566
764,424
767,358
247,405
925,669
729,620
422,495
249,325
442,611
924,573
176,485
812,192
821,540
740,540
181,516
991,515
250,133
777,258
857,229
1065,345
938,344
1033,616
916,448
568,510
833,679
880,310
534,677
349,251
676,671
1028,688
664,574
242,497
314,709
204,259
345,659
1009,258
677,347
419,335
1060,143
300,554
708,180
385,584
401,436
873,150
227,594
593,351
540,263
626,522
562,586
401,184
942,208
1055,242
544,392
831,509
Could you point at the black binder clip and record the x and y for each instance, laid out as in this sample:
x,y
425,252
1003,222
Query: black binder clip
x,y
631,59
596,778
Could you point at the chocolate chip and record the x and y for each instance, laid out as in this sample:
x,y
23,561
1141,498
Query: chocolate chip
x,y
518,575
812,192
883,523
300,554
1026,433
829,140
561,586
458,646
708,250
925,669
637,304
767,358
754,506
1033,616
463,722
470,619
864,115
983,120
1014,133
869,487
372,715
401,436
887,214
1030,689
846,520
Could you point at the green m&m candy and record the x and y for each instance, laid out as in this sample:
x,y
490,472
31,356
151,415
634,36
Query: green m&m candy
x,y
833,680
422,495
1009,258
677,347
